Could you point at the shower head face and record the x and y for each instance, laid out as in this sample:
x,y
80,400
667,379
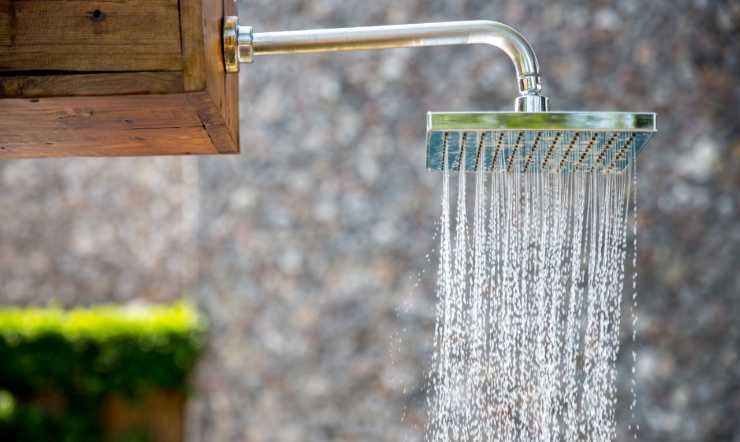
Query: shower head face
x,y
555,142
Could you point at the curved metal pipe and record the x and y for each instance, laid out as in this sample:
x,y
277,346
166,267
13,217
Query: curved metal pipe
x,y
251,44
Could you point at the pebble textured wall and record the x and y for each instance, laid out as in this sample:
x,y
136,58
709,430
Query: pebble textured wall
x,y
308,251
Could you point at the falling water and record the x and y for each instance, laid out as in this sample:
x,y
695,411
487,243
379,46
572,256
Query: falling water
x,y
529,303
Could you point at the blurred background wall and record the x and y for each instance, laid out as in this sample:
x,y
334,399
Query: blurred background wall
x,y
308,252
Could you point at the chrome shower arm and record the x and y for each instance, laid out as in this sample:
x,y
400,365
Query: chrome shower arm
x,y
241,45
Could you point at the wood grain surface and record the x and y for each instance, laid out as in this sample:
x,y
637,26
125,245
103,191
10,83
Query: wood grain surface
x,y
115,78
102,126
84,35
69,85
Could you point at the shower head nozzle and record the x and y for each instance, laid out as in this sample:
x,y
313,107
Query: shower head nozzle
x,y
605,142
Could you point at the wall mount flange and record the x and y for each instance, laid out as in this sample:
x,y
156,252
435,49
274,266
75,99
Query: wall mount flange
x,y
230,43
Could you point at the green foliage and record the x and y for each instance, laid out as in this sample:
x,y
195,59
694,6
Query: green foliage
x,y
80,356
7,405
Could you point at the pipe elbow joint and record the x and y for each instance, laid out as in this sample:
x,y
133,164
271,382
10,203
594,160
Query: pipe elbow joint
x,y
521,54
513,43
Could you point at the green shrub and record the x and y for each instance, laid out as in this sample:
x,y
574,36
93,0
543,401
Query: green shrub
x,y
58,365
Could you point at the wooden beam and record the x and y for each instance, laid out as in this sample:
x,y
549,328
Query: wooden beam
x,y
70,85
5,23
133,125
222,86
193,53
92,35
203,120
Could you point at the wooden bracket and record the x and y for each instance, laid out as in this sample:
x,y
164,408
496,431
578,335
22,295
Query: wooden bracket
x,y
127,78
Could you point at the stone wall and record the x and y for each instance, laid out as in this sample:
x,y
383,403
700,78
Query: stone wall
x,y
308,252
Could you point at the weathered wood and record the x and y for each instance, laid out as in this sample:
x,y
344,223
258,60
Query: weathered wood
x,y
5,23
93,35
102,126
104,143
193,55
122,45
114,113
32,86
87,58
222,87
213,122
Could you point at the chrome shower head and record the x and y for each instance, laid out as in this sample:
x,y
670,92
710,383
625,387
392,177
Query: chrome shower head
x,y
604,142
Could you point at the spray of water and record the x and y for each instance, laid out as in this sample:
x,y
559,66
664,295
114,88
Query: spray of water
x,y
529,302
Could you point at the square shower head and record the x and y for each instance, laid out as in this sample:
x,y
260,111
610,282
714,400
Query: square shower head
x,y
604,142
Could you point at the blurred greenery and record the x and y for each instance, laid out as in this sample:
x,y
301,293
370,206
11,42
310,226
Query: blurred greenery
x,y
58,366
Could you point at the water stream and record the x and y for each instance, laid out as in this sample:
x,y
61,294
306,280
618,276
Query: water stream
x,y
528,307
